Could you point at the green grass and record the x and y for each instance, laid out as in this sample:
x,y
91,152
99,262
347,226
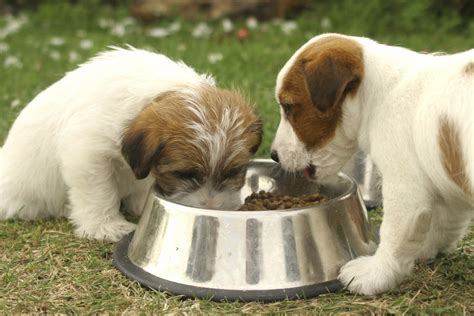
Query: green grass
x,y
44,268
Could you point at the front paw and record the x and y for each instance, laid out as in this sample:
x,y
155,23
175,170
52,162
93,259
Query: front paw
x,y
112,230
370,275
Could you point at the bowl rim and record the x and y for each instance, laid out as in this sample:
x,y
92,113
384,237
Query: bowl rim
x,y
352,189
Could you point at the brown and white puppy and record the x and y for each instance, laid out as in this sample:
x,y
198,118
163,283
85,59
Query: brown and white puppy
x,y
413,114
111,130
197,144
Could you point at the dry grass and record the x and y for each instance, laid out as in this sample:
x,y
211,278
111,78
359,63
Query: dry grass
x,y
44,268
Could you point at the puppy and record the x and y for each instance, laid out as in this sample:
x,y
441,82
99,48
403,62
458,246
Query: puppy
x,y
413,113
126,122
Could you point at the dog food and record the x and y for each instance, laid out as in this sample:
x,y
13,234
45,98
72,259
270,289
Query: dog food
x,y
269,201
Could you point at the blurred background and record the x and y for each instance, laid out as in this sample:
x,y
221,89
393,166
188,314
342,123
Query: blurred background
x,y
243,43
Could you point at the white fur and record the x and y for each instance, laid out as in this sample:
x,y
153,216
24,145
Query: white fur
x,y
62,155
394,117
215,138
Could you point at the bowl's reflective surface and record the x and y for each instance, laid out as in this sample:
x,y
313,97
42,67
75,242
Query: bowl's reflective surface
x,y
362,169
263,250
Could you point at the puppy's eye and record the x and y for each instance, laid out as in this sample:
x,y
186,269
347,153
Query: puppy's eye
x,y
233,172
186,174
286,108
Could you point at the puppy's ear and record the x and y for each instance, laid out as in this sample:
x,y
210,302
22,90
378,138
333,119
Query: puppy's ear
x,y
255,131
331,76
141,151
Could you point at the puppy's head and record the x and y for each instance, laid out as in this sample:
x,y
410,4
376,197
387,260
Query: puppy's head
x,y
196,142
311,89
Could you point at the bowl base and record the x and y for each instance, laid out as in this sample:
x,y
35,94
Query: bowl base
x,y
129,269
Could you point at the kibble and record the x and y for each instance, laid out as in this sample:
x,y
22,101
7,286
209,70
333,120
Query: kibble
x,y
262,200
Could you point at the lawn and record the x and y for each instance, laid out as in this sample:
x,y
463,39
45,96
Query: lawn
x,y
44,268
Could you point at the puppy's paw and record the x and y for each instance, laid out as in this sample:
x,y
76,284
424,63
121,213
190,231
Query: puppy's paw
x,y
369,276
112,230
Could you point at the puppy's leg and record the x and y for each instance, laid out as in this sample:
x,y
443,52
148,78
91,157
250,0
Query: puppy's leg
x,y
94,199
450,224
406,222
140,196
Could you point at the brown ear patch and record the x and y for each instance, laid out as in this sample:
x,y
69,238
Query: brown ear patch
x,y
331,70
141,145
450,146
314,88
255,131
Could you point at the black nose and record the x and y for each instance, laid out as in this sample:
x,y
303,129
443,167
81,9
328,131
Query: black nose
x,y
274,156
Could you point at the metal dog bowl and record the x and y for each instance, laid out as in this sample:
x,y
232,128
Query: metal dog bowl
x,y
259,255
362,169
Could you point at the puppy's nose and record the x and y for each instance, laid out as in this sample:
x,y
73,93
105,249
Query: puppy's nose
x,y
274,156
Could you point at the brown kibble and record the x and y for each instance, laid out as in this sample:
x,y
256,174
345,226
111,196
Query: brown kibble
x,y
270,201
272,206
251,207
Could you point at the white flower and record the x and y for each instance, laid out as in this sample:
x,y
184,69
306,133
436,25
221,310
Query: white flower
x,y
288,26
86,44
73,56
326,23
12,61
15,103
105,23
4,47
252,22
201,30
158,32
128,21
174,27
215,57
13,25
56,41
227,25
118,30
54,55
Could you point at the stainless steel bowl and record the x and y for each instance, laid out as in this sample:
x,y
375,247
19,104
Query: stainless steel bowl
x,y
362,169
259,255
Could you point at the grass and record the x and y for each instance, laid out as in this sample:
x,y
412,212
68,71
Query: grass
x,y
45,269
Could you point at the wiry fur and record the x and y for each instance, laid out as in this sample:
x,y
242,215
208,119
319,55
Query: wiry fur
x,y
63,154
405,105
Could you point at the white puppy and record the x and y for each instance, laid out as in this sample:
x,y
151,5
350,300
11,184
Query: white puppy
x,y
110,131
413,113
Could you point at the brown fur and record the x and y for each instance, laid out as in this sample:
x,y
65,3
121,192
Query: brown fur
x,y
469,68
451,152
317,84
159,141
